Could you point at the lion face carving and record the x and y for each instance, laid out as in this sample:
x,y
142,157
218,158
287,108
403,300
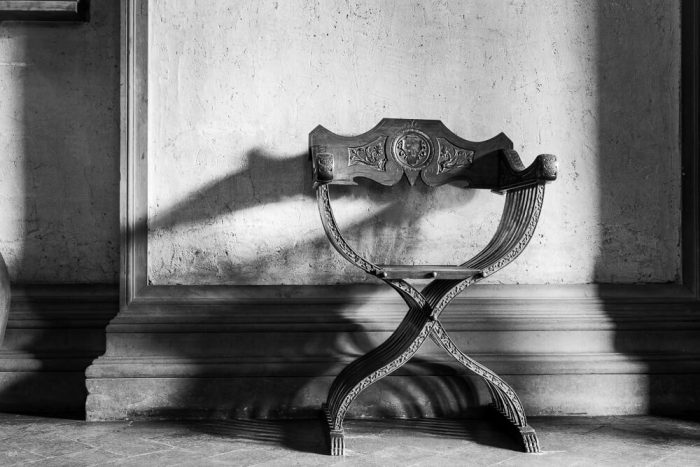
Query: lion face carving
x,y
412,149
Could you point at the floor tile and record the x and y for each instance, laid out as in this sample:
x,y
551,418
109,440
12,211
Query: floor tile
x,y
566,441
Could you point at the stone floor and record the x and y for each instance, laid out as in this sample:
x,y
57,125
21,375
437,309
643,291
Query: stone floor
x,y
566,441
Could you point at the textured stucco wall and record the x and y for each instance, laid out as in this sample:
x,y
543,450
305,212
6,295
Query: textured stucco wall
x,y
237,86
59,148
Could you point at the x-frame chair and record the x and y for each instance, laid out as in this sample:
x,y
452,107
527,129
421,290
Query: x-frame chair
x,y
427,149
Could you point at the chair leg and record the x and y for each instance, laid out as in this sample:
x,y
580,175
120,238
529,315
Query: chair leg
x,y
366,371
530,441
505,400
336,438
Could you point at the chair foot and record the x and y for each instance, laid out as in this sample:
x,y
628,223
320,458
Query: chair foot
x,y
337,442
336,438
530,442
528,435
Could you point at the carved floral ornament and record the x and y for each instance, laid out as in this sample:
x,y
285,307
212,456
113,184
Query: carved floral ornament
x,y
371,154
413,150
452,157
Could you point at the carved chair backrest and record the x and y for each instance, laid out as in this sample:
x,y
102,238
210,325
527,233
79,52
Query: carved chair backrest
x,y
425,148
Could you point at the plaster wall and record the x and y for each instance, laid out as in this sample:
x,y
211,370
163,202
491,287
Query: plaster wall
x,y
59,148
235,88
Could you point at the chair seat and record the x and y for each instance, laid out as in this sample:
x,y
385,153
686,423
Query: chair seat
x,y
425,271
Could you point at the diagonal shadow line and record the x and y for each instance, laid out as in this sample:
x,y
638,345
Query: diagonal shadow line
x,y
265,179
269,178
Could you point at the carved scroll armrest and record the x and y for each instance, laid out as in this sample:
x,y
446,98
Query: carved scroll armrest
x,y
520,215
513,174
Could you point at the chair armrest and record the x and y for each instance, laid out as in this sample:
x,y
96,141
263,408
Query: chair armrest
x,y
513,174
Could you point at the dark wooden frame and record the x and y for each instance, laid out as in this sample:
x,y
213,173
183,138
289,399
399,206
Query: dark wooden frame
x,y
137,295
44,10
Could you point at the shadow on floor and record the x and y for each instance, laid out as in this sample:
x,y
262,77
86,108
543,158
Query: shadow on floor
x,y
310,435
297,435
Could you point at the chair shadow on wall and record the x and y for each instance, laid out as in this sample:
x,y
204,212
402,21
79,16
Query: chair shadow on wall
x,y
268,179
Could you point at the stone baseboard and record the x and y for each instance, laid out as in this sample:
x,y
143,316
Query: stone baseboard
x,y
565,350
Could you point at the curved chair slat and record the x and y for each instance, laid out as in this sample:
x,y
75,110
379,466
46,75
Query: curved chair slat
x,y
380,362
522,232
512,211
334,235
364,365
520,216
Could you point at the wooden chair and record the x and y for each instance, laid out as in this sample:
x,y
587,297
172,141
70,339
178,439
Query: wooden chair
x,y
427,149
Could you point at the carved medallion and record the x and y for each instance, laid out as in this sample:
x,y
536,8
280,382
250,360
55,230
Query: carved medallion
x,y
452,157
371,154
412,149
